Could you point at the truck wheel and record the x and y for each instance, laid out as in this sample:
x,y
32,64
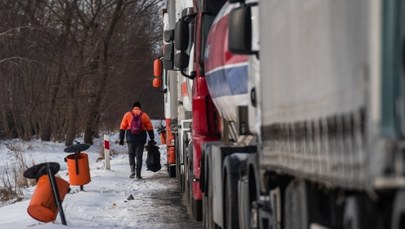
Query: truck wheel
x,y
206,205
185,180
183,174
208,222
244,203
206,213
252,218
172,171
231,202
190,181
398,212
180,175
296,206
231,166
358,213
196,206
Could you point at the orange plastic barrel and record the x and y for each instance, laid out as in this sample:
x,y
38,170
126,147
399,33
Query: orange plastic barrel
x,y
162,137
82,175
43,206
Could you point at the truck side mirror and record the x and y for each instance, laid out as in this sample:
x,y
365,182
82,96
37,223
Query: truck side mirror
x,y
181,36
240,31
168,35
188,13
168,56
181,60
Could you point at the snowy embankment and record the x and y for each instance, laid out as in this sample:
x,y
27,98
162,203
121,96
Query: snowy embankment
x,y
106,201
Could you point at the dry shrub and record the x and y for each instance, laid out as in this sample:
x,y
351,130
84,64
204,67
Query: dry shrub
x,y
11,178
9,189
19,165
7,194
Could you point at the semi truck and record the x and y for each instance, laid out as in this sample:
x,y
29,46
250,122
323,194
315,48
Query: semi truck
x,y
306,117
184,57
177,91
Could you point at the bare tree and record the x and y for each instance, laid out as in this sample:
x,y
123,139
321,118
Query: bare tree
x,y
66,66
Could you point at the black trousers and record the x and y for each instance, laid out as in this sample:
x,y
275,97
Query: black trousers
x,y
135,151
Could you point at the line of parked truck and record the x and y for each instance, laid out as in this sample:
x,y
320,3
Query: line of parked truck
x,y
286,113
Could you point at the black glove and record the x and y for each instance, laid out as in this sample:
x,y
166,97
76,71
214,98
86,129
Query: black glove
x,y
121,142
151,142
151,134
122,134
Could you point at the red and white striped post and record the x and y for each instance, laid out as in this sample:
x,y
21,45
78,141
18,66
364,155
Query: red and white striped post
x,y
107,151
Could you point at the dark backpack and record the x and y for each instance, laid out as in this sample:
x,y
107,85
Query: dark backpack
x,y
136,124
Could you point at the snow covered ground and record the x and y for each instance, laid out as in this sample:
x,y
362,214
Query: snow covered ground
x,y
104,202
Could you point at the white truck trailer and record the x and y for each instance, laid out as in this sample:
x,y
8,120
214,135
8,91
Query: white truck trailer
x,y
329,102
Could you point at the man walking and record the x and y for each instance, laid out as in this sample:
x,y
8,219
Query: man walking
x,y
134,126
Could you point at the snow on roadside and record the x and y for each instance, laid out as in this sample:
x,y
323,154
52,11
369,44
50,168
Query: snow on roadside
x,y
104,204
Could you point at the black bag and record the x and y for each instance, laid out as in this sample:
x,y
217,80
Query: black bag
x,y
153,158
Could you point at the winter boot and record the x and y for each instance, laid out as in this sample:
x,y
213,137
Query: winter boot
x,y
132,171
138,174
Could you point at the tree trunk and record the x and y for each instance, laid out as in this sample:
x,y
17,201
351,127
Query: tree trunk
x,y
46,130
93,117
71,129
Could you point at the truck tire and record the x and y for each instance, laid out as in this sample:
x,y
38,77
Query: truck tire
x,y
398,212
208,219
358,213
187,169
172,171
186,182
253,217
190,181
296,206
230,195
196,206
244,203
178,165
179,172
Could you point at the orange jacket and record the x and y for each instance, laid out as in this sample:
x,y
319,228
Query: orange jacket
x,y
127,119
126,126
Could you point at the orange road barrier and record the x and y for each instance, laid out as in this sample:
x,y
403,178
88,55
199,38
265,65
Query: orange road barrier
x,y
42,206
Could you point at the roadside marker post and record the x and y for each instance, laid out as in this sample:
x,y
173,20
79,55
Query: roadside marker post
x,y
107,152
